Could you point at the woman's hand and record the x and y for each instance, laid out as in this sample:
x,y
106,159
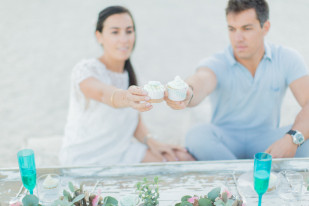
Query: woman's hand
x,y
177,105
163,151
137,98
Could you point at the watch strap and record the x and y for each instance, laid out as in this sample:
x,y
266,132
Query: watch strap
x,y
291,132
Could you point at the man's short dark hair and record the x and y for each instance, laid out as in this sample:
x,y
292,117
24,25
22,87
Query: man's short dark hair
x,y
260,7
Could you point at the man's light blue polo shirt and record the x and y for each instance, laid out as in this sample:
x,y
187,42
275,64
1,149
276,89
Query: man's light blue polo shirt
x,y
246,104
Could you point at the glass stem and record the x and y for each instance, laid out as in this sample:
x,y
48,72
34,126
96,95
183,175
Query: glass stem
x,y
260,200
31,192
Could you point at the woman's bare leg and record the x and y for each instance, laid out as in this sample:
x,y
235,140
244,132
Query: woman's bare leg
x,y
184,156
181,156
150,157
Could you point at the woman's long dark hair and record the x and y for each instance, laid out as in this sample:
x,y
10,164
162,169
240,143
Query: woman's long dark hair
x,y
103,15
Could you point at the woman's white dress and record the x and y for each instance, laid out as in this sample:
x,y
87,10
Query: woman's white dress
x,y
95,133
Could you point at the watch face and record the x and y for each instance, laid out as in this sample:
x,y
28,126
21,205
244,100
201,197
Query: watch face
x,y
299,138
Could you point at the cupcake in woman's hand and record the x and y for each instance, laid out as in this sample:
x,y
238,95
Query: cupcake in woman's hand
x,y
177,89
155,91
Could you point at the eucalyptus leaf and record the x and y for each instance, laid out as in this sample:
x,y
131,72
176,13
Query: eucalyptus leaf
x,y
224,197
110,200
78,198
185,198
66,199
214,193
219,203
186,203
204,202
67,194
30,200
229,202
71,187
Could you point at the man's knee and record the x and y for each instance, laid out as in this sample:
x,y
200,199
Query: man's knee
x,y
199,140
198,135
303,151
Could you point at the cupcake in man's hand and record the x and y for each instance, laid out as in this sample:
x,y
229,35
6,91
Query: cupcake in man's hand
x,y
155,91
177,89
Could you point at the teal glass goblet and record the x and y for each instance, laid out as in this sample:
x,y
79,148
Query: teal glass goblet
x,y
261,174
27,169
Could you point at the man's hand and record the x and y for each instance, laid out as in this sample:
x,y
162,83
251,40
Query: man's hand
x,y
282,148
179,104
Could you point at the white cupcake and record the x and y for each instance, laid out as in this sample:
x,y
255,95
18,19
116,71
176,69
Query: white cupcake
x,y
129,200
50,182
272,182
155,91
177,89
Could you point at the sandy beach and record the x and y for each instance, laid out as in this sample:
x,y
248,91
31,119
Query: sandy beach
x,y
41,41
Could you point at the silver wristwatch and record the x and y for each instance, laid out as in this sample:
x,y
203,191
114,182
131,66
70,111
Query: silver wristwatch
x,y
298,137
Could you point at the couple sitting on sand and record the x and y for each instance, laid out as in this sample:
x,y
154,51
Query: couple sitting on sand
x,y
246,84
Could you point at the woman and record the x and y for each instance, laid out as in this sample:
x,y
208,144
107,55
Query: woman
x,y
104,113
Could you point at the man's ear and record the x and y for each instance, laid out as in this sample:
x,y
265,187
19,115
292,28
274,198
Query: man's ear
x,y
266,27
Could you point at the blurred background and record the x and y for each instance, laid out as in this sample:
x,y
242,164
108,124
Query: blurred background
x,y
42,40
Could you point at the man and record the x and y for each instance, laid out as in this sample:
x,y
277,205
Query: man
x,y
246,84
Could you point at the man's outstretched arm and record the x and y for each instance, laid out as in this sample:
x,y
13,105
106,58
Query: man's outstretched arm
x,y
201,84
285,147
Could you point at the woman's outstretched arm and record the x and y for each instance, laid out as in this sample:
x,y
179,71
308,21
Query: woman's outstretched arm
x,y
134,97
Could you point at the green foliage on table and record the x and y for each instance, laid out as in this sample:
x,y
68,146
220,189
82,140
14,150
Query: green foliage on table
x,y
204,202
30,200
78,197
184,203
75,196
213,198
148,192
222,203
68,200
110,201
214,193
184,198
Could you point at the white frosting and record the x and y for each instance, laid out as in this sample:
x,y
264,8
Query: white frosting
x,y
178,83
155,89
272,181
154,85
50,182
